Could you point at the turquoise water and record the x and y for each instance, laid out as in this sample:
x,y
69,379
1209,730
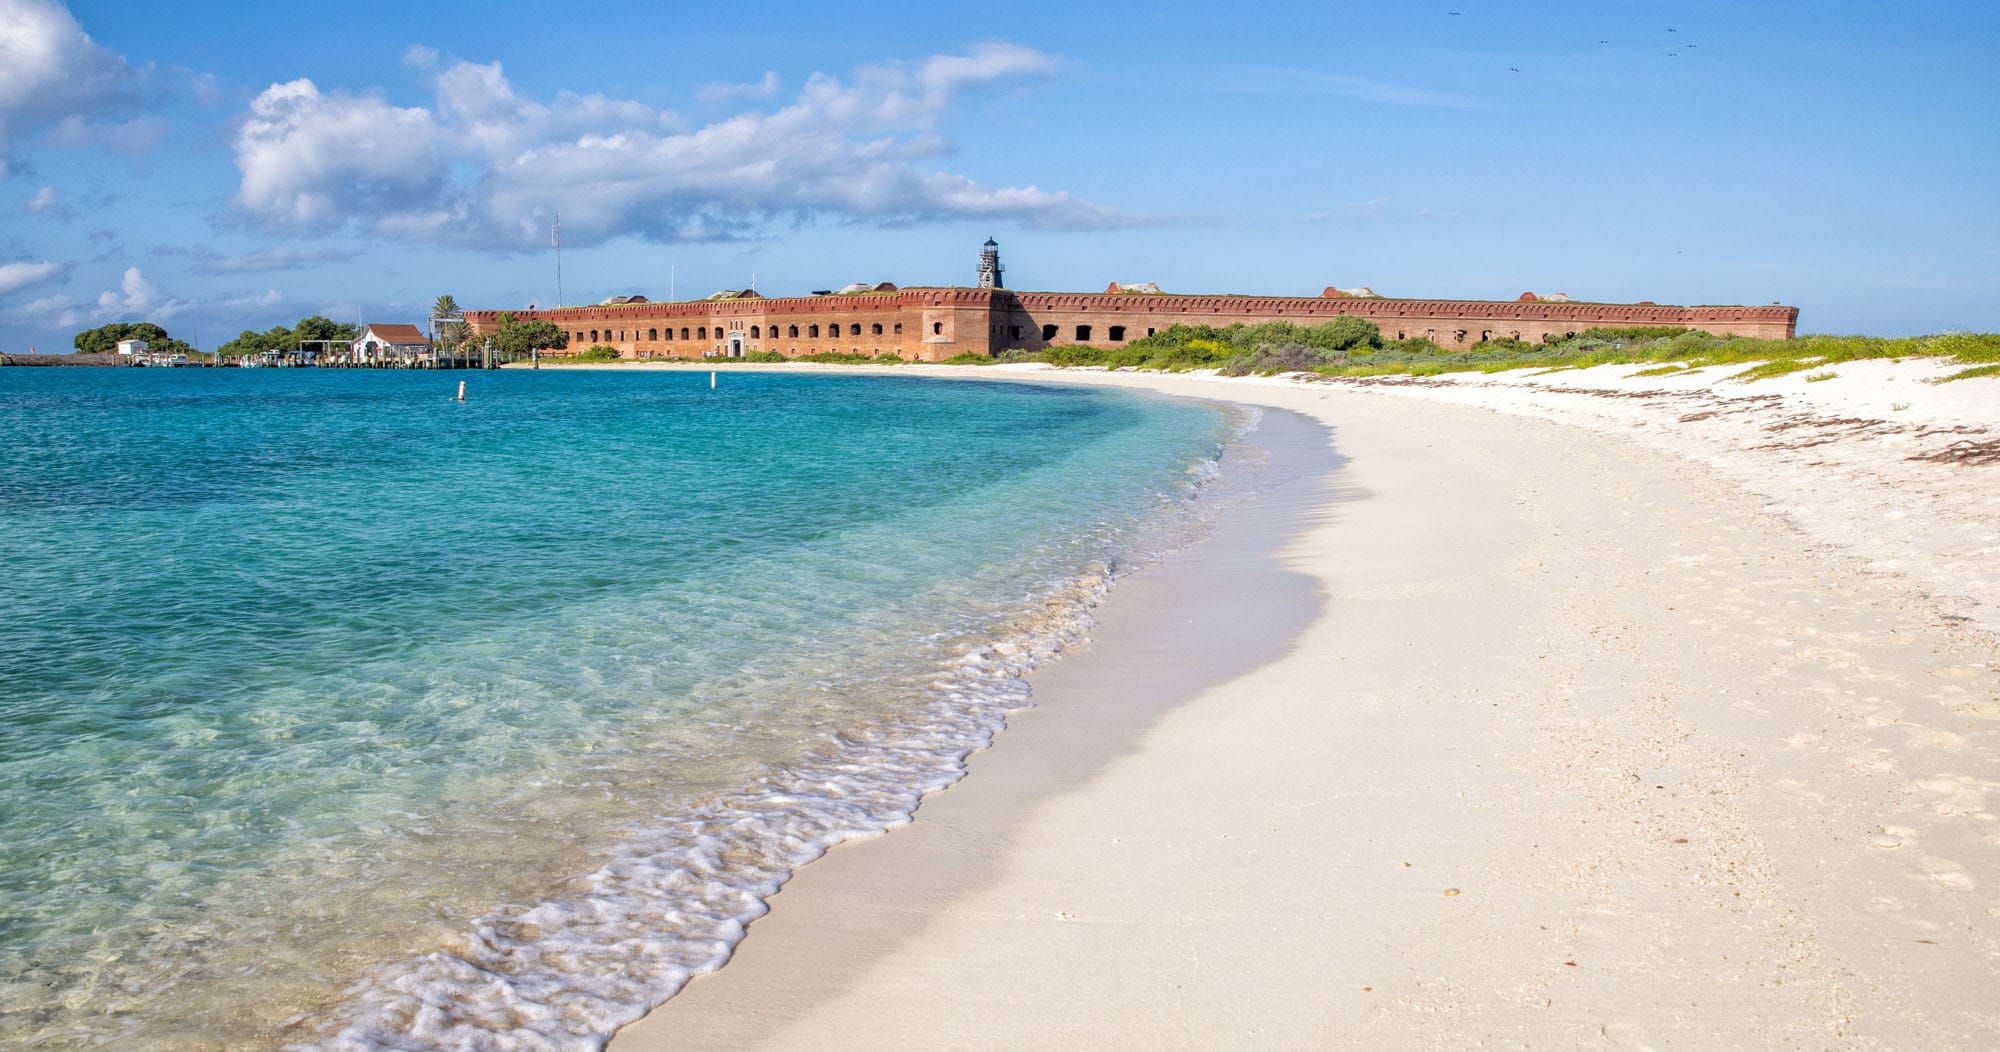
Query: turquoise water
x,y
339,714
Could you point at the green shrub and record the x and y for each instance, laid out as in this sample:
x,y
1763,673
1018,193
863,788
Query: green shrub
x,y
599,353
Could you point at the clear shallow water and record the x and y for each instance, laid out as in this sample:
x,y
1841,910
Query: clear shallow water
x,y
333,713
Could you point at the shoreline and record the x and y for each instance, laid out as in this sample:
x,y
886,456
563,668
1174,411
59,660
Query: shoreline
x,y
1809,870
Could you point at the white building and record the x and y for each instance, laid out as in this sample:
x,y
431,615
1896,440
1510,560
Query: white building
x,y
380,342
129,348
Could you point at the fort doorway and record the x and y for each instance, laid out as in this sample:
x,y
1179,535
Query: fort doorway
x,y
736,345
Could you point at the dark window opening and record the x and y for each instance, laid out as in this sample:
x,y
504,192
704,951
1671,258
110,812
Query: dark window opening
x,y
855,330
1013,332
1117,333
1083,334
1048,333
937,328
793,332
813,331
877,327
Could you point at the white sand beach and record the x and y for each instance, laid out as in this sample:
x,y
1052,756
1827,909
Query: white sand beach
x,y
1581,710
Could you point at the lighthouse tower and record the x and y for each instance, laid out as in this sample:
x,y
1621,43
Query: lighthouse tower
x,y
990,270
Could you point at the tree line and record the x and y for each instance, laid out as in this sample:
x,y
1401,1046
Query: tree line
x,y
104,339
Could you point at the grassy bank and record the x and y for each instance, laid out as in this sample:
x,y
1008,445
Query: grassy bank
x,y
1354,347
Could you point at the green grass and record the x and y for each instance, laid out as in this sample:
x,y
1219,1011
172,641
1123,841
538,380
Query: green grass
x,y
1814,378
1352,346
1967,374
1776,367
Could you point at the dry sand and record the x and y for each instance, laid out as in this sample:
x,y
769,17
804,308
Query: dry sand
x,y
1498,731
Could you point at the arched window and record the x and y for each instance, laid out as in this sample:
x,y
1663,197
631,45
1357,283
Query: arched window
x,y
1117,333
812,331
899,328
702,332
593,335
755,332
1048,334
937,328
876,328
1083,334
653,334
854,330
833,328
670,334
792,331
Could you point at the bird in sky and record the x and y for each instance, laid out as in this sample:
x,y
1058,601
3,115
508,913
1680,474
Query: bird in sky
x,y
1604,41
1513,69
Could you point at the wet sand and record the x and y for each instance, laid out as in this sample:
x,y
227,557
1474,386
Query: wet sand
x,y
1481,730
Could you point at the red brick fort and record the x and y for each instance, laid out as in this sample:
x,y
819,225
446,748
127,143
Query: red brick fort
x,y
935,323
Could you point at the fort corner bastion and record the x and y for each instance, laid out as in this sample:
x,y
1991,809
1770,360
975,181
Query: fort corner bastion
x,y
936,323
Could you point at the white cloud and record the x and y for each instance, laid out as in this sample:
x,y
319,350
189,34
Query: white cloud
x,y
135,136
417,56
311,159
758,90
487,167
1435,213
1352,212
281,257
22,273
50,69
253,300
46,200
1271,80
135,299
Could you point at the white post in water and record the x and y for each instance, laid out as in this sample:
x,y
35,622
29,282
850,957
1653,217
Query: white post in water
x,y
461,390
711,379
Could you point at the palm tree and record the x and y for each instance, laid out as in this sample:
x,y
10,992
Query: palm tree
x,y
441,322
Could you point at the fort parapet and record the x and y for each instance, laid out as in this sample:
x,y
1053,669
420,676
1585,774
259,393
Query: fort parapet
x,y
932,324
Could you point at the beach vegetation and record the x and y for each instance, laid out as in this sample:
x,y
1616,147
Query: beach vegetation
x,y
1351,346
104,339
1967,374
838,358
515,338
309,329
1813,378
598,353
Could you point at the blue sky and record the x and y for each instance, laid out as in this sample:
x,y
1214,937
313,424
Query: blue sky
x,y
220,166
